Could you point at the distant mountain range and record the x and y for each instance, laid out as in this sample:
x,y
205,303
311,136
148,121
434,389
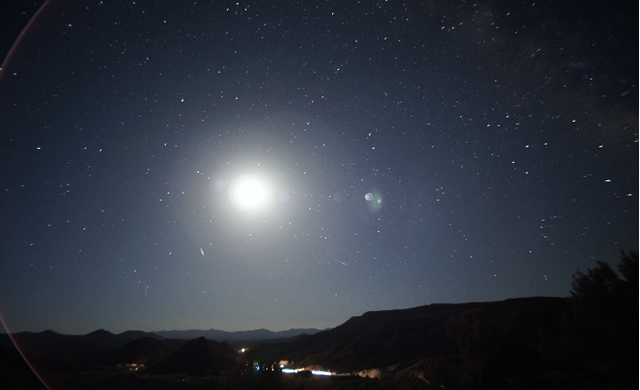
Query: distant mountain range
x,y
221,335
58,358
102,346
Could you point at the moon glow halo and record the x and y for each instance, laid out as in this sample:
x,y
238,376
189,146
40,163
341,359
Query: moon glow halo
x,y
249,193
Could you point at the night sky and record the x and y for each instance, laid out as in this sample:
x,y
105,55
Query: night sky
x,y
247,164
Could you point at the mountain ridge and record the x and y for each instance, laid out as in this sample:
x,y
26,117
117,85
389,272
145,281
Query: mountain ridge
x,y
381,339
222,335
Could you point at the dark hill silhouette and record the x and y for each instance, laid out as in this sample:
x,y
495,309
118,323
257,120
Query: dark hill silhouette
x,y
113,341
146,350
198,357
101,333
72,350
131,335
400,338
105,338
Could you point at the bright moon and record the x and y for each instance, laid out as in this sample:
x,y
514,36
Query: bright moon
x,y
249,193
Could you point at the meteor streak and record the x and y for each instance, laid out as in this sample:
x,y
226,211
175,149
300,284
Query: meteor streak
x,y
345,264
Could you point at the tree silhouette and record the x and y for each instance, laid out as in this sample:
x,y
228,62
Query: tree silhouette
x,y
607,297
601,285
604,328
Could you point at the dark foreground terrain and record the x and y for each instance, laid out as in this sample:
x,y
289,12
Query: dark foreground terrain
x,y
587,341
